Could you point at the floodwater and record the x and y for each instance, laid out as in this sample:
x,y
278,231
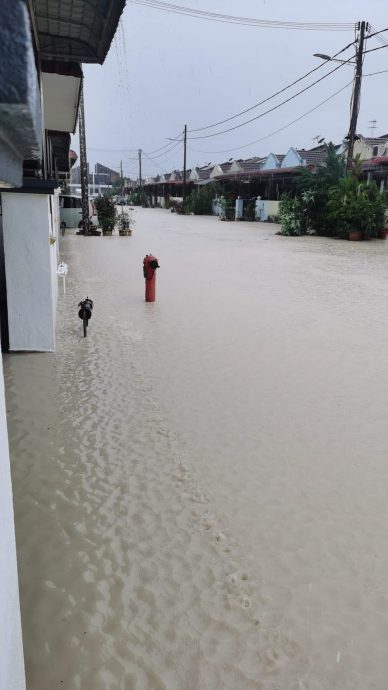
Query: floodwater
x,y
201,485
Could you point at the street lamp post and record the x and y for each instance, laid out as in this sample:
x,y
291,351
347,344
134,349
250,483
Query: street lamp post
x,y
355,105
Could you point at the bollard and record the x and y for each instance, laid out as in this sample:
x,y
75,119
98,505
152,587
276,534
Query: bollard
x,y
150,264
85,312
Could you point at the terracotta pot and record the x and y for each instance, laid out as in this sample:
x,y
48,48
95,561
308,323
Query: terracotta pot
x,y
381,234
355,235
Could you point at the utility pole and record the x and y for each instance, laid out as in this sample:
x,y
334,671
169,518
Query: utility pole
x,y
184,162
140,180
83,166
356,94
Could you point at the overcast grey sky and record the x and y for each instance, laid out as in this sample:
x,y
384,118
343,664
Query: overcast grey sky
x,y
164,70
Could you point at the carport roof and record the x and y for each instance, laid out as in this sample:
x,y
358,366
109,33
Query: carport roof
x,y
76,30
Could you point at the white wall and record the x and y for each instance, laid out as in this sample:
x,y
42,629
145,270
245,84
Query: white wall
x,y
11,646
54,254
29,267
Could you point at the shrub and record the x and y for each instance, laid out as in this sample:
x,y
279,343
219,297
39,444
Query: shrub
x,y
106,211
292,216
200,201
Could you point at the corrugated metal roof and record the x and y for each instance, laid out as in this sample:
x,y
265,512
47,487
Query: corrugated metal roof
x,y
375,141
78,30
378,160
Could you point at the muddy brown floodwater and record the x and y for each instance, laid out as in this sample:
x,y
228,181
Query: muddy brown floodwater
x,y
201,485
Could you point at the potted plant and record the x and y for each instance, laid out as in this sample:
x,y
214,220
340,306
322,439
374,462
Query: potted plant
x,y
106,210
346,209
124,222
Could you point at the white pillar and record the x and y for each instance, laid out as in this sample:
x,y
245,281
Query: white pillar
x,y
30,227
239,213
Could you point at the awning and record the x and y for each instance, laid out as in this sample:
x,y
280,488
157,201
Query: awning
x,y
61,87
76,30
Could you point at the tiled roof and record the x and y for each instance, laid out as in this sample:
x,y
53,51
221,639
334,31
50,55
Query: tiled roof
x,y
251,164
313,157
204,173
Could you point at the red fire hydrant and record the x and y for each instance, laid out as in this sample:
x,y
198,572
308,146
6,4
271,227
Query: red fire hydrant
x,y
150,264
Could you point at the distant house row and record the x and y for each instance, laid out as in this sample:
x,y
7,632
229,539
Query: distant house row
x,y
267,177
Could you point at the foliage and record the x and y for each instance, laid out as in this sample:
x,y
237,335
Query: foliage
x,y
292,216
333,202
118,185
139,199
227,206
355,205
106,211
200,201
317,187
176,206
125,221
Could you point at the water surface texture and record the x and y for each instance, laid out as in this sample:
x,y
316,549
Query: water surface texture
x,y
201,485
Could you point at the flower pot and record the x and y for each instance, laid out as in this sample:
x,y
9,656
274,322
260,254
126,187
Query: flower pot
x,y
381,234
125,233
355,235
107,233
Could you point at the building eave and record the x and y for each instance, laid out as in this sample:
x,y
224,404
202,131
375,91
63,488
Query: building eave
x,y
85,39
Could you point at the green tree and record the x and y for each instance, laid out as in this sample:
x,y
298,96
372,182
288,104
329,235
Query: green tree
x,y
106,211
200,200
317,186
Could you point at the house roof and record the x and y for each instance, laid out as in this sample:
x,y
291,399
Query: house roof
x,y
313,156
251,164
378,160
77,30
204,173
257,173
375,141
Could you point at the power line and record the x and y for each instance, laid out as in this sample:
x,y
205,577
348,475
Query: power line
x,y
244,21
373,50
280,129
270,110
277,93
377,33
167,151
164,160
177,138
372,74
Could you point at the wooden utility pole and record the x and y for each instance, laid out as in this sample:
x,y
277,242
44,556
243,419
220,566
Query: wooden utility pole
x,y
83,166
184,162
356,94
140,180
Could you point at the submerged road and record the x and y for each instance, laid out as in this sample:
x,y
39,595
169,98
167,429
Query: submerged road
x,y
201,485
